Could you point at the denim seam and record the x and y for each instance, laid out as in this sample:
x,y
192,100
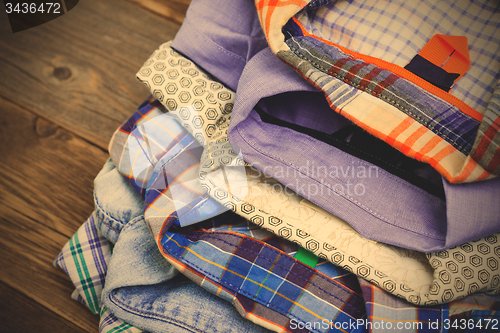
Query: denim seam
x,y
107,224
153,315
352,200
134,221
292,260
103,211
283,311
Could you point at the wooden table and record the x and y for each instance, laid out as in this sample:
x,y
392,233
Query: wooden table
x,y
65,86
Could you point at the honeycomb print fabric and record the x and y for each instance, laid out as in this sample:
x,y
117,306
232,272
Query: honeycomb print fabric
x,y
203,106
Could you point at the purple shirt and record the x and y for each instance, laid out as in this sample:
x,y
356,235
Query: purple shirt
x,y
418,211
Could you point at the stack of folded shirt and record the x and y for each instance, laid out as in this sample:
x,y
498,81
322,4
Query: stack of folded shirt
x,y
305,166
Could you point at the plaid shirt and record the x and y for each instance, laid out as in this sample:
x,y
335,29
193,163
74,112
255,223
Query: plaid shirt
x,y
224,177
259,276
84,258
243,264
355,51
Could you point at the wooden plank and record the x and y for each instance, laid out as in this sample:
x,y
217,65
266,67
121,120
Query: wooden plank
x,y
28,250
35,319
79,69
172,10
46,184
46,172
65,87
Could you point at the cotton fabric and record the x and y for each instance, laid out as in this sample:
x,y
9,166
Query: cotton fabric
x,y
417,277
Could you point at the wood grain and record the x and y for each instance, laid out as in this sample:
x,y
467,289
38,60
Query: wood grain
x,y
46,177
46,172
65,87
79,69
172,10
40,317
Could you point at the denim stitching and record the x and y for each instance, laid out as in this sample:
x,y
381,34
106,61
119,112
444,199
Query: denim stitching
x,y
105,213
118,302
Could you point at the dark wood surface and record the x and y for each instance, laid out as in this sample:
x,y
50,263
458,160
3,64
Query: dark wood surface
x,y
65,86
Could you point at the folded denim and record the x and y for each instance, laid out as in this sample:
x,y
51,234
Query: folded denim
x,y
143,289
124,275
380,305
84,258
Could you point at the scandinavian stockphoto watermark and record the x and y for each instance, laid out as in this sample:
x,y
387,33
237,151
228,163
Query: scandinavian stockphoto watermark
x,y
161,157
398,326
361,324
311,178
26,14
343,180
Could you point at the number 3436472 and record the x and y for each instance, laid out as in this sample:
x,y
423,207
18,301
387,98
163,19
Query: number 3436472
x,y
32,8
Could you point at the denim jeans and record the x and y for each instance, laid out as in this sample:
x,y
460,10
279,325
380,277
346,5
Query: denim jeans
x,y
141,287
